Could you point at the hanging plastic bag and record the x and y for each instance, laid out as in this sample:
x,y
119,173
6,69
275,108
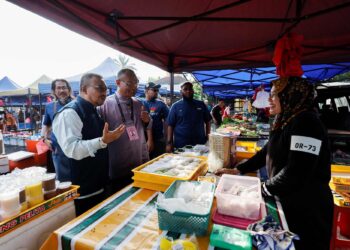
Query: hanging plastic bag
x,y
41,147
262,100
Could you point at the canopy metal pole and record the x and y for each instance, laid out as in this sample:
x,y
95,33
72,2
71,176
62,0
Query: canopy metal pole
x,y
171,71
172,87
40,106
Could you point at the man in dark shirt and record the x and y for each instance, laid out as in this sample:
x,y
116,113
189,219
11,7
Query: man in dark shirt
x,y
159,113
217,112
187,120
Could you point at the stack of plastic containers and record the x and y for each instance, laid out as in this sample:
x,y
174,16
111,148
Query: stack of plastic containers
x,y
9,204
20,190
49,186
63,186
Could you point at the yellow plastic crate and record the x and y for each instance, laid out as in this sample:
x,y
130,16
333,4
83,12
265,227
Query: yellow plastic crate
x,y
248,144
251,149
339,187
340,169
341,180
160,182
245,155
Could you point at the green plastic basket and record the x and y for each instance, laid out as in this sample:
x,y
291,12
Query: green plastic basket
x,y
182,222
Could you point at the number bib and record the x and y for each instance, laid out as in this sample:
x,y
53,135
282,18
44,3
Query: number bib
x,y
305,144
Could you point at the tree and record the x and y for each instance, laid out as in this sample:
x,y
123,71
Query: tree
x,y
123,62
198,94
341,77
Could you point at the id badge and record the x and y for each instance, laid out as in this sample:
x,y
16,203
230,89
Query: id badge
x,y
132,133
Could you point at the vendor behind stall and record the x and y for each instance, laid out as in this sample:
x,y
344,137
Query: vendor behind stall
x,y
217,112
188,121
10,121
297,158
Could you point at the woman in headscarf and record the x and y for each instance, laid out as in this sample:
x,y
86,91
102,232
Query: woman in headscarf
x,y
297,157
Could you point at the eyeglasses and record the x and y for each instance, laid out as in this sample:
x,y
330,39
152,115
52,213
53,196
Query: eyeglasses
x,y
100,88
130,83
155,90
61,87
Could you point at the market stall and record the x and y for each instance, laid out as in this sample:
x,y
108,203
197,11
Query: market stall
x,y
128,220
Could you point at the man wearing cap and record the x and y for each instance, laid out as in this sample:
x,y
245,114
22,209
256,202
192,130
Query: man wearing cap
x,y
159,113
188,121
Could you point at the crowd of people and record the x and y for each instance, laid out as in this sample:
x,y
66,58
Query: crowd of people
x,y
11,119
96,140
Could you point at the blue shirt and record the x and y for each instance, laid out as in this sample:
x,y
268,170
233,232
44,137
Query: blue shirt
x,y
188,120
50,110
159,113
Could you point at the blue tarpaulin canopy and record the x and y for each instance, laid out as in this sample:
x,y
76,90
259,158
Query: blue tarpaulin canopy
x,y
7,84
233,83
45,88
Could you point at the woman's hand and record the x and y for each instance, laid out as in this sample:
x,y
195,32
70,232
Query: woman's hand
x,y
221,171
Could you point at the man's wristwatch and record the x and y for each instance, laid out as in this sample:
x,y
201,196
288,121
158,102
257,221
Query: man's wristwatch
x,y
102,144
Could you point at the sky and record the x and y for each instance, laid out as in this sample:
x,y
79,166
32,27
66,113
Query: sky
x,y
31,46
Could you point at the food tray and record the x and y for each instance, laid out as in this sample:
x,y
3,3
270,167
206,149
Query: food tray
x,y
232,221
159,182
182,222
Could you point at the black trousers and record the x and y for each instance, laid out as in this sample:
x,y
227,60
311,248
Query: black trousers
x,y
114,185
83,205
159,148
311,218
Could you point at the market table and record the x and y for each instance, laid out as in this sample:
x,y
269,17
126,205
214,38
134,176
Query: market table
x,y
127,220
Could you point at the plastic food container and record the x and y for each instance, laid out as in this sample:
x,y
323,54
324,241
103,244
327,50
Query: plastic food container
x,y
34,194
22,195
24,206
9,202
64,187
230,238
49,182
238,205
50,194
6,215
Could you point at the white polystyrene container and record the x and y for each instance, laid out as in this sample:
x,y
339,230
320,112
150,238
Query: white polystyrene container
x,y
9,201
238,206
6,215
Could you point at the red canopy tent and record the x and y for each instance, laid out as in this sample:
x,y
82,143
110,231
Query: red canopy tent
x,y
182,35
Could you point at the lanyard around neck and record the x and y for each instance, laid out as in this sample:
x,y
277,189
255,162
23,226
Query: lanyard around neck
x,y
121,110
